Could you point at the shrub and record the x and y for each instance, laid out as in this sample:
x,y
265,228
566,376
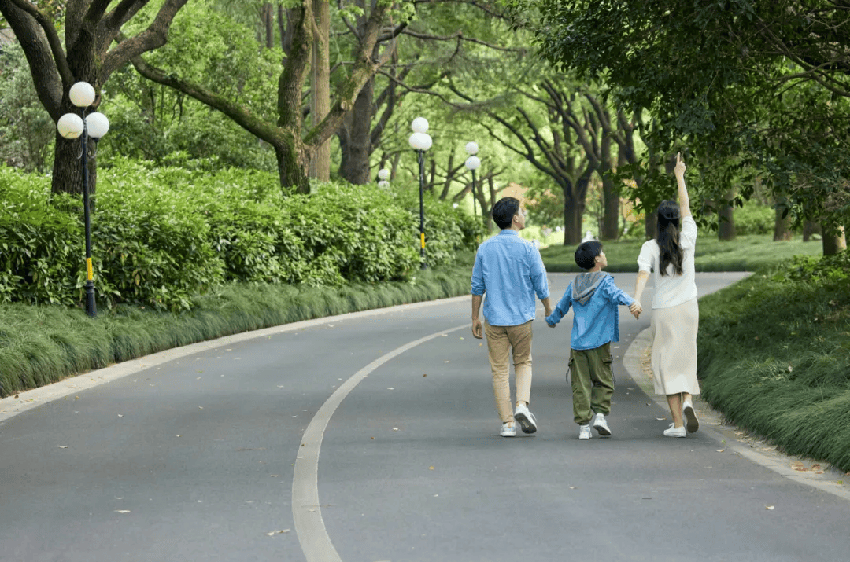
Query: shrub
x,y
162,235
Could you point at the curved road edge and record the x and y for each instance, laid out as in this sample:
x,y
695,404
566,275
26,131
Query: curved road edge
x,y
18,403
726,434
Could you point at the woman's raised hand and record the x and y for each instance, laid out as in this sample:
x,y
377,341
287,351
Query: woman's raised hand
x,y
680,167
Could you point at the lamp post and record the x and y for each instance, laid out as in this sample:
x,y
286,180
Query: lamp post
x,y
420,141
72,126
472,163
384,176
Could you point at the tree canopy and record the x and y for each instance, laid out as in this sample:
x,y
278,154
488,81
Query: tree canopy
x,y
754,84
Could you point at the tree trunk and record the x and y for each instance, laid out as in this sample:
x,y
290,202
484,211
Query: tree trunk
x,y
610,197
320,96
809,228
355,139
726,226
291,171
572,223
782,227
833,244
650,224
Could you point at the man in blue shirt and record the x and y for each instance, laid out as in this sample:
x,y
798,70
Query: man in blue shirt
x,y
595,301
510,271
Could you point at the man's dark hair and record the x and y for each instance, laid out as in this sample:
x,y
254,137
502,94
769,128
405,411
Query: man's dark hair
x,y
586,254
504,211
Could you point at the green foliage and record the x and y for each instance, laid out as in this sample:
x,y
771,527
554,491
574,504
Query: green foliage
x,y
25,127
447,230
808,269
774,358
163,235
710,94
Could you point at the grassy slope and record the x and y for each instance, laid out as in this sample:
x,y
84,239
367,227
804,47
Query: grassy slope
x,y
774,357
747,253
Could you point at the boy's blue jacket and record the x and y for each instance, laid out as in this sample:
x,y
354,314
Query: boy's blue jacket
x,y
595,301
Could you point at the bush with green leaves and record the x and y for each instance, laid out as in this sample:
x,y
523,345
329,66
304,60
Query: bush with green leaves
x,y
164,235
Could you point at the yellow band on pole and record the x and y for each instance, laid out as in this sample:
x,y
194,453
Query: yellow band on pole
x,y
89,269
422,238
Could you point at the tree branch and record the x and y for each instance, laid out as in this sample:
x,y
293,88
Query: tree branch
x,y
241,116
155,36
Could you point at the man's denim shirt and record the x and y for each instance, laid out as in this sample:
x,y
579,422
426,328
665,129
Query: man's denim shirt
x,y
510,270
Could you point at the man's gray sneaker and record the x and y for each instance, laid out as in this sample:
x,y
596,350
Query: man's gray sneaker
x,y
525,419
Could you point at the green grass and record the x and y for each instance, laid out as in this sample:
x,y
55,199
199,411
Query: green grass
x,y
43,344
746,253
774,358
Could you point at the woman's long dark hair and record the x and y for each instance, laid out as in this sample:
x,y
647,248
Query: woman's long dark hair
x,y
667,237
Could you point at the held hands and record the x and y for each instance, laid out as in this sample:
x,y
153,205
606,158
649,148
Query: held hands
x,y
477,329
679,168
635,309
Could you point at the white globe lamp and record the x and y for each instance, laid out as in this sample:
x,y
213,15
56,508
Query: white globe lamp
x,y
420,125
70,126
82,94
97,125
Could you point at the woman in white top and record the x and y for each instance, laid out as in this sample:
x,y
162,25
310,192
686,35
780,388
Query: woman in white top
x,y
675,314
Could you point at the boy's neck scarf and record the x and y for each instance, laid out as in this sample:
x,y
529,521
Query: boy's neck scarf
x,y
585,285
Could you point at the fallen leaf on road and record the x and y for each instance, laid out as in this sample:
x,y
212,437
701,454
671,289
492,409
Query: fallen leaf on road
x,y
430,468
424,375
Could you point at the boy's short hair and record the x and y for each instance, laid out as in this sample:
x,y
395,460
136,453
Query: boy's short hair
x,y
504,211
586,254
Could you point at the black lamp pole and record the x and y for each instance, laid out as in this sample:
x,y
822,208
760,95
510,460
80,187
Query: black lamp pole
x,y
91,307
423,264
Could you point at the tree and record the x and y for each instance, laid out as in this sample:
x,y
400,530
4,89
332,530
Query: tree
x,y
293,142
721,77
88,54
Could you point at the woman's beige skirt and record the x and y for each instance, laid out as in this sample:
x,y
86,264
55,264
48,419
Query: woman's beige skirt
x,y
674,348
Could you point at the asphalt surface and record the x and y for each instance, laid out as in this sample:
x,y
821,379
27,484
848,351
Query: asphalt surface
x,y
374,437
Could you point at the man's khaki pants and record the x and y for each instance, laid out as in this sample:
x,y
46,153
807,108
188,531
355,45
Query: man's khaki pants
x,y
501,341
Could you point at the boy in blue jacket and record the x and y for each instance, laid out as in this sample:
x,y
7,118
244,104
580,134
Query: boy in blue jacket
x,y
594,298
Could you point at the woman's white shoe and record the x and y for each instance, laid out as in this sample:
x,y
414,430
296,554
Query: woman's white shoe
x,y
675,431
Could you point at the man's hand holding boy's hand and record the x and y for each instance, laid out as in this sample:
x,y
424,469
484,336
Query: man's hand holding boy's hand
x,y
635,309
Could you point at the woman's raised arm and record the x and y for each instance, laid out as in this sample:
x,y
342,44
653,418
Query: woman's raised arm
x,y
684,200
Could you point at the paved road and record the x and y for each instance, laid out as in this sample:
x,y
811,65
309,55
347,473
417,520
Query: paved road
x,y
374,437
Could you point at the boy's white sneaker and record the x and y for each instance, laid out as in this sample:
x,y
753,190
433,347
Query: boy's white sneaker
x,y
508,430
691,421
584,431
601,426
525,419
